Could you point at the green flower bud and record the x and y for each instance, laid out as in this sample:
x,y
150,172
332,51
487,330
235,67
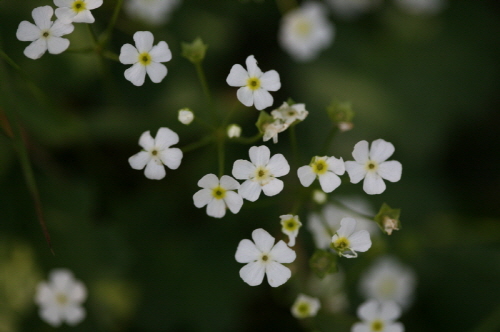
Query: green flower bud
x,y
388,219
195,51
341,114
323,262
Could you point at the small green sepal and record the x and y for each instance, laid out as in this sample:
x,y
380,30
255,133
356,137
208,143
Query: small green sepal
x,y
341,114
195,51
388,219
263,120
323,262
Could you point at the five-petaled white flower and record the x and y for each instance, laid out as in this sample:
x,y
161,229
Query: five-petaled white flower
x,y
290,226
77,11
372,166
157,152
217,195
261,173
45,35
145,58
347,242
151,11
305,31
264,258
378,317
326,169
60,298
254,84
290,113
305,306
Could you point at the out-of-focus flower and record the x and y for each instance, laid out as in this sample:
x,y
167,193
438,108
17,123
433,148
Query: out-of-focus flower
x,y
319,197
186,116
378,317
326,169
233,131
305,306
330,289
77,11
154,12
290,226
289,114
347,241
217,195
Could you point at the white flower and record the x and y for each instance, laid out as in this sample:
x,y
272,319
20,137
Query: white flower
x,y
151,11
348,9
157,152
254,84
271,130
378,317
261,173
305,306
290,226
331,290
347,242
145,58
421,7
45,35
305,31
319,197
60,298
326,169
289,114
264,258
185,116
372,166
77,11
217,195
233,131
389,280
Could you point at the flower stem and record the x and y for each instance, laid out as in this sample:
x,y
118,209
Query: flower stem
x,y
293,143
198,144
328,141
220,152
247,140
109,29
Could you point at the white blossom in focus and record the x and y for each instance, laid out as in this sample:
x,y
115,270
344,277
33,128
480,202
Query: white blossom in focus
x,y
145,58
290,113
290,226
233,131
60,298
421,7
347,241
254,84
156,153
185,116
326,169
264,258
77,11
378,317
349,9
217,195
44,34
371,165
305,306
305,31
154,12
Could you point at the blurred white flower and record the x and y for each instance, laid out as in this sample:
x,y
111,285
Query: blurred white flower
x,y
261,173
264,257
347,241
378,317
289,114
217,195
271,130
151,11
60,298
371,165
326,169
389,280
254,85
185,116
349,9
145,58
290,226
157,152
422,7
233,130
330,289
305,31
319,197
305,306
45,35
77,11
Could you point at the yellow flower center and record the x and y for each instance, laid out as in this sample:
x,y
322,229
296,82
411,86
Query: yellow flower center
x,y
290,224
319,166
262,175
265,258
45,34
303,309
79,5
341,244
253,83
377,325
303,27
219,192
61,299
145,58
371,165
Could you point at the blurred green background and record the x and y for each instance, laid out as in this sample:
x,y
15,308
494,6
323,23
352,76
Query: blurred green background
x,y
153,262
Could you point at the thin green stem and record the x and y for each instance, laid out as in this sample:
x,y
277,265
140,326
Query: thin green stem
x,y
328,141
293,143
198,144
203,81
92,35
110,55
247,140
109,29
220,153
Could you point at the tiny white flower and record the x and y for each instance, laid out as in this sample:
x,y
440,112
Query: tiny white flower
x,y
254,84
145,58
263,258
60,298
77,11
233,131
156,153
319,197
290,226
349,9
305,306
371,165
422,7
305,31
186,116
378,317
347,242
44,34
151,11
326,169
217,195
261,173
289,114
271,130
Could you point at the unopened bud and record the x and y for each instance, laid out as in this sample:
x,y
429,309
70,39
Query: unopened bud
x,y
233,131
186,116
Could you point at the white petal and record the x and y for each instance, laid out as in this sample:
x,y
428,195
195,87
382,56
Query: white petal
x,y
270,81
85,16
233,201
165,138
390,311
36,49
238,76
202,197
278,165
361,327
156,71
274,187
356,171
253,273
390,170
60,29
360,241
262,99
143,41
136,74
43,294
250,190
329,182
245,96
65,14
139,160
259,155
368,311
63,3
171,157
146,141
216,208
128,54
154,171
93,4
381,150
347,227
335,165
281,253
247,252
42,16
263,240
253,69
373,184
277,274
243,169
27,31
306,175
57,45
74,314
229,183
209,181
360,152
51,315
161,52
395,327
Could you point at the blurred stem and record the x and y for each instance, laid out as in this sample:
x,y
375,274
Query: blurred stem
x,y
220,151
491,323
198,144
293,143
247,140
329,140
110,55
109,29
92,35
286,5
